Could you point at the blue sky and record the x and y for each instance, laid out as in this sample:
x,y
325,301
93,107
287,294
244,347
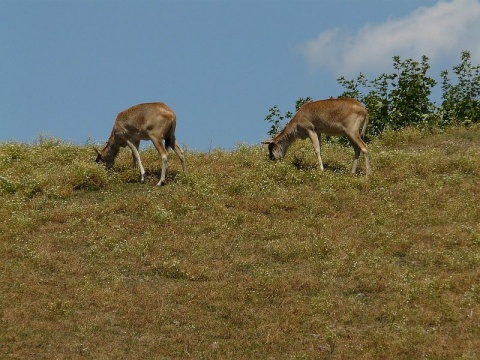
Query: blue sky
x,y
67,68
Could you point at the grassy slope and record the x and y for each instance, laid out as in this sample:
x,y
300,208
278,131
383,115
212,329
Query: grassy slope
x,y
242,257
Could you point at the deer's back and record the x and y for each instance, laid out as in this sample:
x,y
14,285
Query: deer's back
x,y
330,116
142,121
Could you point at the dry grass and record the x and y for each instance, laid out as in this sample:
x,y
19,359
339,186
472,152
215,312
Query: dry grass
x,y
241,257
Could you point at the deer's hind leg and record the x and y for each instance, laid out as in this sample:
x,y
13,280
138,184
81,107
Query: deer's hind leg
x,y
172,143
180,154
164,155
359,146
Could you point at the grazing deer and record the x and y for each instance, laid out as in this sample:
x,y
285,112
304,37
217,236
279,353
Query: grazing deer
x,y
154,121
332,117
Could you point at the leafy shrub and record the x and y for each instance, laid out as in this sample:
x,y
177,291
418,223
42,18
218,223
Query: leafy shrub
x,y
461,101
276,119
7,186
402,99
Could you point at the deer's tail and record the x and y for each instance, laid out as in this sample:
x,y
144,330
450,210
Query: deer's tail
x,y
170,137
365,123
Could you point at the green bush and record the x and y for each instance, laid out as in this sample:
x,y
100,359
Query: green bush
x,y
402,99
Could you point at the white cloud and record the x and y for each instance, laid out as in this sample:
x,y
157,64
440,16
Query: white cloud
x,y
443,30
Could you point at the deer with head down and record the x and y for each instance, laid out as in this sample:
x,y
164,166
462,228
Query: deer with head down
x,y
338,117
150,121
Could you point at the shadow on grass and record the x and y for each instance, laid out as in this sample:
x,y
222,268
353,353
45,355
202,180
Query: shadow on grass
x,y
154,176
300,164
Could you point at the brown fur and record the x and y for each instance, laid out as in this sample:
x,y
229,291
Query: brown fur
x,y
338,117
150,121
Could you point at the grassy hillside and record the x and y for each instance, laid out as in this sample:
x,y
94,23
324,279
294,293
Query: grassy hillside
x,y
242,257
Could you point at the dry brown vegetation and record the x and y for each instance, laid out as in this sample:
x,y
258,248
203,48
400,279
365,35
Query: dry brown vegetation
x,y
241,257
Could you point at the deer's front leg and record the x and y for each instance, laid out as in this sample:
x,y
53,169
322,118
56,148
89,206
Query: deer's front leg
x,y
316,146
136,157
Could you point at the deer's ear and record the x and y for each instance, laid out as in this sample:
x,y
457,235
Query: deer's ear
x,y
267,142
96,150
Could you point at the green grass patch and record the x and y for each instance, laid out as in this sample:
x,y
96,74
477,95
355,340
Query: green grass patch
x,y
241,257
